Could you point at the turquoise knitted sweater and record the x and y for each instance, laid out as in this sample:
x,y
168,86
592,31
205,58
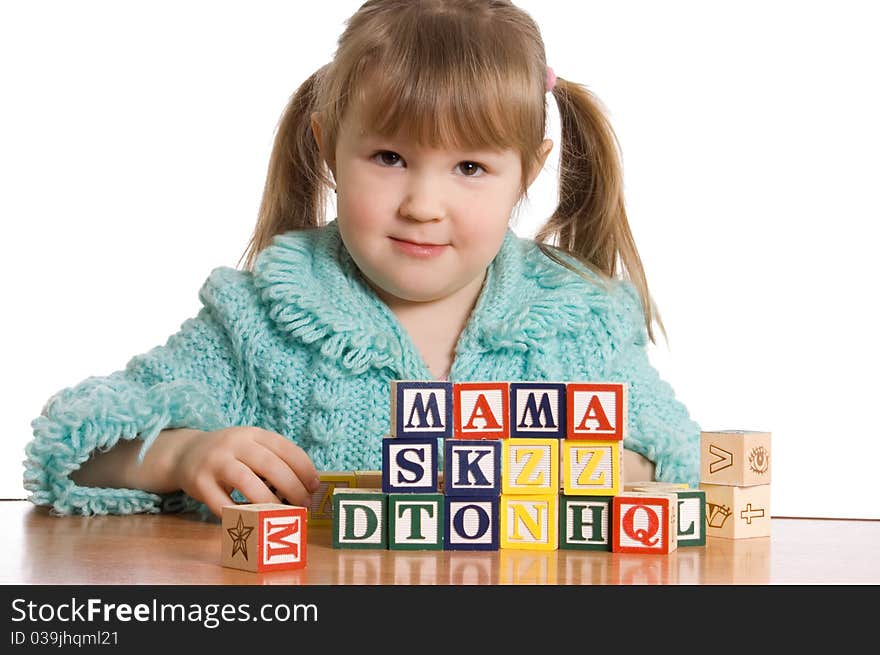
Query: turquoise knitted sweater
x,y
303,347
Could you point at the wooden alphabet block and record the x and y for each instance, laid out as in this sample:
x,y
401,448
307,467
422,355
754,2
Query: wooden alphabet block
x,y
481,410
530,466
591,468
691,517
263,537
644,523
737,512
596,411
537,410
321,509
360,518
472,468
416,521
421,409
409,465
368,479
735,457
471,523
530,522
585,522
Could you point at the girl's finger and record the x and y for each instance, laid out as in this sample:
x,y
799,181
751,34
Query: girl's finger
x,y
248,483
295,457
276,472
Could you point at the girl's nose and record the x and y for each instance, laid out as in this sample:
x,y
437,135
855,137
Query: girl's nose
x,y
423,200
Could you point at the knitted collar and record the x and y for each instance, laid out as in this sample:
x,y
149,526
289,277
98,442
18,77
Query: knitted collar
x,y
526,299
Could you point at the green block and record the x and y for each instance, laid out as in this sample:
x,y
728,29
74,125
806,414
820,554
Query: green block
x,y
415,521
360,518
585,522
691,517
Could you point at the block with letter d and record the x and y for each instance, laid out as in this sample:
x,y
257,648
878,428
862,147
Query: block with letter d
x,y
409,465
360,518
263,536
421,409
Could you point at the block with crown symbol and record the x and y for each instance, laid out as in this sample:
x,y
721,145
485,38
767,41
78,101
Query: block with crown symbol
x,y
263,537
737,512
735,457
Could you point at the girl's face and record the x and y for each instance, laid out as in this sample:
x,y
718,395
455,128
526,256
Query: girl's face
x,y
422,224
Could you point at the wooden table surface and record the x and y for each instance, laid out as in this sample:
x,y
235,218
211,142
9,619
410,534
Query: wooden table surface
x,y
175,549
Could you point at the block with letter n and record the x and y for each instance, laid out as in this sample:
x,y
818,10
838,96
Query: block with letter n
x,y
421,409
529,522
360,518
263,536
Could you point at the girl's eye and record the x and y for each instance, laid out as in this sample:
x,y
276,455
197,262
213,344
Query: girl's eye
x,y
389,158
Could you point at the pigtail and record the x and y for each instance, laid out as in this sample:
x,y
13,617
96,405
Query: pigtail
x,y
590,221
295,192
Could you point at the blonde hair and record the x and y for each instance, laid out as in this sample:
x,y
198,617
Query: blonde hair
x,y
466,74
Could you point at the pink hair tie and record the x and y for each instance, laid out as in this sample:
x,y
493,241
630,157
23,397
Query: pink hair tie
x,y
551,80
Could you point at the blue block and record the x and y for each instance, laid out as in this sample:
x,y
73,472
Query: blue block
x,y
421,409
472,523
472,467
409,465
538,410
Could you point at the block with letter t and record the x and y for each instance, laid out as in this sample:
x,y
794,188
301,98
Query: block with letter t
x,y
360,518
415,521
421,409
410,465
481,410
263,536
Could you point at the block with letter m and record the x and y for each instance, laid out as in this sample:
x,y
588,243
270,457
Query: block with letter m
x,y
421,409
264,536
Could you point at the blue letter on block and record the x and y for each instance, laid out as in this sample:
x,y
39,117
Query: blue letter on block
x,y
537,410
409,465
471,523
473,467
421,409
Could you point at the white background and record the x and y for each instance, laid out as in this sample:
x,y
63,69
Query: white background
x,y
134,139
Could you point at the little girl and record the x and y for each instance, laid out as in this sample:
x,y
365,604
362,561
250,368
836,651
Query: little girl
x,y
429,125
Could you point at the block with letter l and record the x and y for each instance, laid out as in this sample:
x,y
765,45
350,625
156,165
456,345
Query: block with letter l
x,y
263,536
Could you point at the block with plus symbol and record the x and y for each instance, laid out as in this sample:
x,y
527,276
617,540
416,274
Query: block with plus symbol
x,y
736,457
263,537
737,512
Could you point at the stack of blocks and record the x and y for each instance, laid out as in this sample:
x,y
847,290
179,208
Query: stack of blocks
x,y
527,465
735,474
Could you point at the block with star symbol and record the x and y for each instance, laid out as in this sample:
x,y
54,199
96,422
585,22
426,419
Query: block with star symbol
x,y
263,537
737,512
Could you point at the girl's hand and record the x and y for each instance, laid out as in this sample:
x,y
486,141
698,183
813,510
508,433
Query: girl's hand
x,y
209,465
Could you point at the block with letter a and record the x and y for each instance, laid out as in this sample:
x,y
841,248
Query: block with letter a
x,y
263,537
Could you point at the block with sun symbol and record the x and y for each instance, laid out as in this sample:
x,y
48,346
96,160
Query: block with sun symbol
x,y
735,457
263,537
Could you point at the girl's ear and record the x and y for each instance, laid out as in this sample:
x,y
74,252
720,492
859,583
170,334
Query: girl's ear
x,y
318,133
543,153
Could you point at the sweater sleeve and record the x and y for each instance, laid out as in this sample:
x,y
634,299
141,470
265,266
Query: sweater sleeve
x,y
192,381
659,426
